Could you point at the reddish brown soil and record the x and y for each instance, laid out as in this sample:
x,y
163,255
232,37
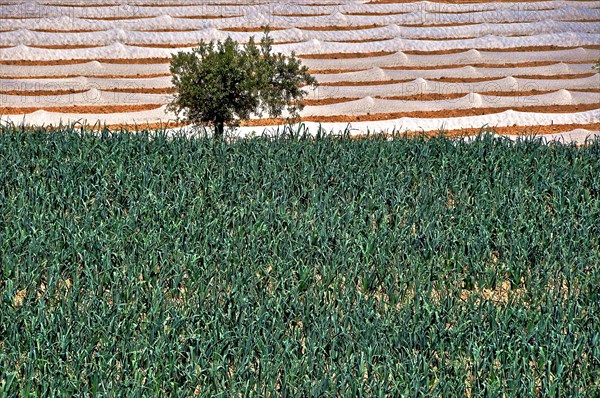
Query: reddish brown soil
x,y
101,109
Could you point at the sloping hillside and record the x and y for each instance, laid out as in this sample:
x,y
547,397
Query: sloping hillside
x,y
381,64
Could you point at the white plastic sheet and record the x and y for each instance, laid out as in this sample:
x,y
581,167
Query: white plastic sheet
x,y
102,38
422,86
91,97
257,18
466,57
94,68
370,75
370,105
150,9
120,51
501,119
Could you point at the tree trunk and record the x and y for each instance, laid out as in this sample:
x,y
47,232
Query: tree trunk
x,y
219,128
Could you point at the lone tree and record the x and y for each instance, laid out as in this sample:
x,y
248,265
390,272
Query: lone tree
x,y
219,84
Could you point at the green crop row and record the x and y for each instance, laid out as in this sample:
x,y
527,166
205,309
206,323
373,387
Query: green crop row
x,y
144,265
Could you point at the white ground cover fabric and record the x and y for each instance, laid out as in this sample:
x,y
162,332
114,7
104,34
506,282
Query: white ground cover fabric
x,y
92,97
370,75
502,119
471,56
422,86
118,50
95,68
343,4
131,37
376,73
257,18
370,105
364,106
138,9
89,69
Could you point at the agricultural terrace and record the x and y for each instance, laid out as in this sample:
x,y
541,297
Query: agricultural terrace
x,y
382,64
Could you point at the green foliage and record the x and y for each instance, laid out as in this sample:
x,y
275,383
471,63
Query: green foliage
x,y
169,266
219,84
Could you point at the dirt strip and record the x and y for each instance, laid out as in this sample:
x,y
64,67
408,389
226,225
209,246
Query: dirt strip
x,y
92,109
65,47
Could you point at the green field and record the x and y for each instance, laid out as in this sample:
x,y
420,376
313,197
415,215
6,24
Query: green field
x,y
153,266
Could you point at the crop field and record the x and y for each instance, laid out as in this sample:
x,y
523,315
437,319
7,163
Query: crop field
x,y
138,265
447,257
382,64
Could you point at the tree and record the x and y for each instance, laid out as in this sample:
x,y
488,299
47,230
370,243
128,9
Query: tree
x,y
219,84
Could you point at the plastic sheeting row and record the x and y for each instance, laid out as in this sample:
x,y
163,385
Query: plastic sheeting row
x,y
259,19
370,75
362,106
369,105
422,86
468,57
501,119
397,60
120,51
101,38
507,118
137,9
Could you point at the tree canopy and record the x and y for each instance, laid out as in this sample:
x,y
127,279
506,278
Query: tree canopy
x,y
221,83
